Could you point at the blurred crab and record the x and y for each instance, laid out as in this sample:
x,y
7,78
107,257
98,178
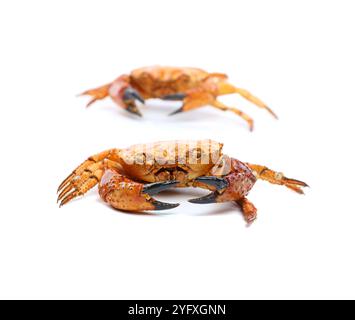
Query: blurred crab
x,y
194,87
128,178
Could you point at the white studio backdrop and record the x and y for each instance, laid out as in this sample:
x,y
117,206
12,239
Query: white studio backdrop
x,y
298,56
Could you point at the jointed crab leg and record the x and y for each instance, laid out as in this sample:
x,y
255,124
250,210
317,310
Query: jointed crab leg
x,y
238,112
227,88
194,99
264,173
81,184
248,209
97,93
198,97
85,176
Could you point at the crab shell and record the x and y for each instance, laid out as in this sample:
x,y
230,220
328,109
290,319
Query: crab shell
x,y
171,160
156,81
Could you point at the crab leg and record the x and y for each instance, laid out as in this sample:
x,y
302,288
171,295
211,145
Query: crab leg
x,y
199,97
85,176
97,93
227,88
125,194
193,99
82,184
221,106
248,209
264,173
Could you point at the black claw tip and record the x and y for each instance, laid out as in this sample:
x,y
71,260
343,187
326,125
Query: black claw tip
x,y
210,198
175,97
131,94
176,111
158,205
156,187
133,109
138,97
218,183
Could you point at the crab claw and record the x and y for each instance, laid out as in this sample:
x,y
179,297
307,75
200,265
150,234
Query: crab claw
x,y
131,94
129,97
295,185
125,194
218,183
156,187
210,198
158,205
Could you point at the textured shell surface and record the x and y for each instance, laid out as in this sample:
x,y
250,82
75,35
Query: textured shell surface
x,y
169,73
194,156
156,81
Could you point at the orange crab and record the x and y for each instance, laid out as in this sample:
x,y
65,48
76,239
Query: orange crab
x,y
194,87
128,178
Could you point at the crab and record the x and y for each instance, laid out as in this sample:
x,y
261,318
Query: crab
x,y
129,178
194,87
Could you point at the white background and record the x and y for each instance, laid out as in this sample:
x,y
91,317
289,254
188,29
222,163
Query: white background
x,y
298,56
